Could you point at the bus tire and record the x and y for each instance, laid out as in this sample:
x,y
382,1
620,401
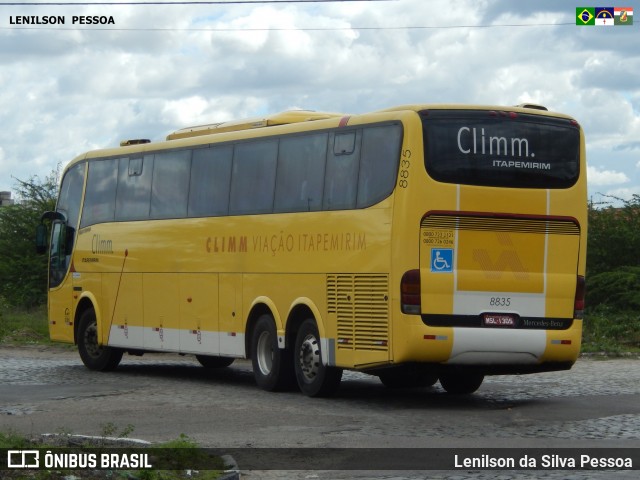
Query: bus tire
x,y
314,378
461,383
95,357
272,366
208,361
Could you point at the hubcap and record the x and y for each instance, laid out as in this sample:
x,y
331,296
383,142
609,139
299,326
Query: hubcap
x,y
91,341
309,357
265,353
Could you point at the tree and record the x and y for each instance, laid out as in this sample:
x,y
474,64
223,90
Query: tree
x,y
23,273
613,256
613,237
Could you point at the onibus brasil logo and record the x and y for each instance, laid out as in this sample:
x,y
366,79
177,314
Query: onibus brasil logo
x,y
32,459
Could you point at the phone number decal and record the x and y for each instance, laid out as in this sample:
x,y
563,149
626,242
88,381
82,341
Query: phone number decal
x,y
438,238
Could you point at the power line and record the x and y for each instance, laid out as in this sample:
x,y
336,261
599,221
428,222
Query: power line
x,y
293,29
187,2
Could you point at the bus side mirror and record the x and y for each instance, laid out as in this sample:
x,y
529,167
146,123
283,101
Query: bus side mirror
x,y
42,238
42,234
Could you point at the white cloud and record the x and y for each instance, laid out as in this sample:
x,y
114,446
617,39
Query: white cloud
x,y
597,177
624,193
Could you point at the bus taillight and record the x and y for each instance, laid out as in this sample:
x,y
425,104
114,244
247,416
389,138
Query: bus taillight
x,y
410,292
578,309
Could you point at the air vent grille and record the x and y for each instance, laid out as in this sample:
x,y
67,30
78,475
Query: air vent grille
x,y
361,306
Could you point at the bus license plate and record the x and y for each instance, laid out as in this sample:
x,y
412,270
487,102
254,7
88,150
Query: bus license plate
x,y
499,320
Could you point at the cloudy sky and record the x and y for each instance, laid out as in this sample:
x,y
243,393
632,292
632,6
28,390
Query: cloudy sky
x,y
65,89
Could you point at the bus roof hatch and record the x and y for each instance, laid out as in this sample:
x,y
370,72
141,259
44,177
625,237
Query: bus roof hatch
x,y
134,141
533,106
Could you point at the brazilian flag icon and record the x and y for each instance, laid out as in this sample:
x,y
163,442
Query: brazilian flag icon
x,y
585,16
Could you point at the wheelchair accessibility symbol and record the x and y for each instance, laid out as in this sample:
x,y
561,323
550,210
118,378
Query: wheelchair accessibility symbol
x,y
442,260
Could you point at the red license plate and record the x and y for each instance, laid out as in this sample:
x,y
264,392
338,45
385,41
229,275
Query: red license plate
x,y
499,320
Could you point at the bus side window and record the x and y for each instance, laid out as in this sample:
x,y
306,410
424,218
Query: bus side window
x,y
341,176
63,233
253,177
344,143
378,163
210,181
300,178
170,186
134,188
57,260
71,195
100,196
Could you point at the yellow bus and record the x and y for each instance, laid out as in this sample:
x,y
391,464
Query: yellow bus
x,y
417,243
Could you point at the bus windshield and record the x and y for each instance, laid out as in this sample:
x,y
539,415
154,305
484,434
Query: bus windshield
x,y
489,148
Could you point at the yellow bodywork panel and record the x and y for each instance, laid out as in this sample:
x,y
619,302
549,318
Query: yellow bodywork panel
x,y
500,261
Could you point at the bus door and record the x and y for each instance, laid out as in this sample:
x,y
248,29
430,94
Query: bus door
x,y
61,292
63,235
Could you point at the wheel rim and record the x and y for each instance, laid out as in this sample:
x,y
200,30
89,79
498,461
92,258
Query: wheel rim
x,y
309,358
91,341
265,353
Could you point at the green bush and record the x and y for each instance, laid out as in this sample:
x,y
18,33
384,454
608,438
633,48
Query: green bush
x,y
20,326
612,322
613,239
606,330
618,289
23,273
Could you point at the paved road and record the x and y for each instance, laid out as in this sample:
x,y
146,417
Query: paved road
x,y
596,404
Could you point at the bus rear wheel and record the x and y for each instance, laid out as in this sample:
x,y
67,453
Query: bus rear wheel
x,y
314,378
272,366
94,356
461,383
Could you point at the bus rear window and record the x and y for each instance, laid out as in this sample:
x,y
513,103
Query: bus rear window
x,y
500,149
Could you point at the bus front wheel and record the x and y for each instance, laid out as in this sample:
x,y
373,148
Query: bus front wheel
x,y
461,383
272,366
314,378
95,356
